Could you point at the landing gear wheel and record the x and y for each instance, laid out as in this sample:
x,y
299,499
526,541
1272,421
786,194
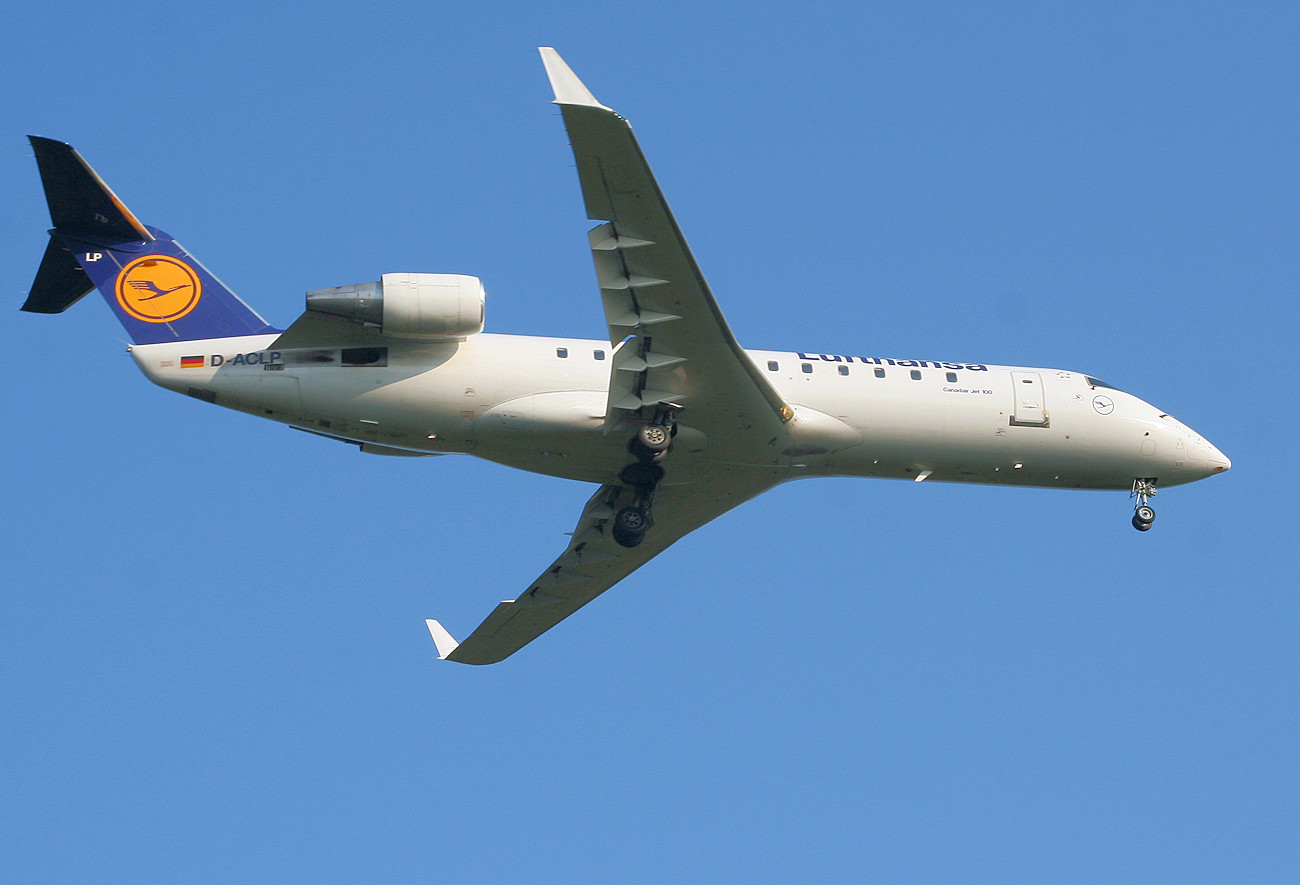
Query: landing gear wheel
x,y
641,475
651,441
630,525
1143,515
655,437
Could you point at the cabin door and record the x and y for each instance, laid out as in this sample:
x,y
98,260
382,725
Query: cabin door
x,y
1030,409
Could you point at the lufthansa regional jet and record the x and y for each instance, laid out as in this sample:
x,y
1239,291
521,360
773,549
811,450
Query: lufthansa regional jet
x,y
667,415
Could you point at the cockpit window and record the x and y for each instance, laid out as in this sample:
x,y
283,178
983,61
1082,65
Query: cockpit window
x,y
1097,382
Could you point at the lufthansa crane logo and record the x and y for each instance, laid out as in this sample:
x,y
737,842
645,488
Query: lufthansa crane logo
x,y
158,289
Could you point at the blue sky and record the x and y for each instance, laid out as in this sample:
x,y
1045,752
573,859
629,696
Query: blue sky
x,y
212,649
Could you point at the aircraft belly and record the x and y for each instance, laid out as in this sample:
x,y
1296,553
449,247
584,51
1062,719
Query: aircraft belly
x,y
272,395
972,439
389,406
560,433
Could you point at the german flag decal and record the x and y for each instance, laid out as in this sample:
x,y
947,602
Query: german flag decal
x,y
191,362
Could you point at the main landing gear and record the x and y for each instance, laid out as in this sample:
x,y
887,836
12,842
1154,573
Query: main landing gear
x,y
650,445
651,441
1143,515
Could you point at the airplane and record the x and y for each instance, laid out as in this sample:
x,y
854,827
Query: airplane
x,y
671,419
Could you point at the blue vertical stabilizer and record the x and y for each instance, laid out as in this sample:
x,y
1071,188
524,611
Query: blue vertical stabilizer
x,y
157,289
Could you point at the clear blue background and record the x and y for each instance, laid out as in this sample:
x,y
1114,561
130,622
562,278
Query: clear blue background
x,y
213,660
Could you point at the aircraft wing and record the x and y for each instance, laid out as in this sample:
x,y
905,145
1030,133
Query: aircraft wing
x,y
594,562
672,348
672,344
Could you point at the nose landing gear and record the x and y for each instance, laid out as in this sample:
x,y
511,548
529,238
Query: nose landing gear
x,y
1143,515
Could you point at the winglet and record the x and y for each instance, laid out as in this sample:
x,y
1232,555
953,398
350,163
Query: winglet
x,y
441,638
566,85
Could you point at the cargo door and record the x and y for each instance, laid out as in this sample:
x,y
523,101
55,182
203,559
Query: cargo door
x,y
1029,409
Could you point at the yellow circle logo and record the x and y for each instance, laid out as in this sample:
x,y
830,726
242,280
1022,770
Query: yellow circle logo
x,y
158,288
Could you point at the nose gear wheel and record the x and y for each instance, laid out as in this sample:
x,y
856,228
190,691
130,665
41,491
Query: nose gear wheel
x,y
1143,514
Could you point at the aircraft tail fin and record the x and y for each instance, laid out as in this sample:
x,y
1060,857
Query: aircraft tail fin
x,y
157,289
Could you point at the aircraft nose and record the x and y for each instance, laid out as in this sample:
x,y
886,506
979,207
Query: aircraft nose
x,y
1198,457
1217,460
1206,459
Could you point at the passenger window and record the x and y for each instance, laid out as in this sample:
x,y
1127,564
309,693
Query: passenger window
x,y
562,352
844,370
952,377
598,354
916,374
772,365
880,373
807,368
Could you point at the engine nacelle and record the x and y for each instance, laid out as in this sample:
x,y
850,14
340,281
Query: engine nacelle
x,y
409,305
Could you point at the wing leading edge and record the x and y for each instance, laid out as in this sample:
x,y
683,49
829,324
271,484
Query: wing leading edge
x,y
672,349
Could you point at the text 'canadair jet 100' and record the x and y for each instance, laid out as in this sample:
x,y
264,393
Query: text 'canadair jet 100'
x,y
674,421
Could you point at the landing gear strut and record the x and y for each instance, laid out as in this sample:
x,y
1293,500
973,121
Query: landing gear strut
x,y
1143,515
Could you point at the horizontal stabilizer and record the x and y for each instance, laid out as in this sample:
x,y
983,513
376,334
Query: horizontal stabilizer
x,y
80,202
60,283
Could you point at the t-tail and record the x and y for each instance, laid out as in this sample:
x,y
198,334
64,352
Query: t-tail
x,y
158,290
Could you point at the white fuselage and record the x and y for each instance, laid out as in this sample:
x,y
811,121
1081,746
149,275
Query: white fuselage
x,y
540,403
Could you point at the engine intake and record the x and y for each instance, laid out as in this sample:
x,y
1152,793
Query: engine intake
x,y
409,305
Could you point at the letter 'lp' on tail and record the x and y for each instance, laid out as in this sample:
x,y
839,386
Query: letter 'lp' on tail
x,y
670,419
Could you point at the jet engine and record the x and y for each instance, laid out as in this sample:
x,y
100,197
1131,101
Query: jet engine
x,y
409,305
